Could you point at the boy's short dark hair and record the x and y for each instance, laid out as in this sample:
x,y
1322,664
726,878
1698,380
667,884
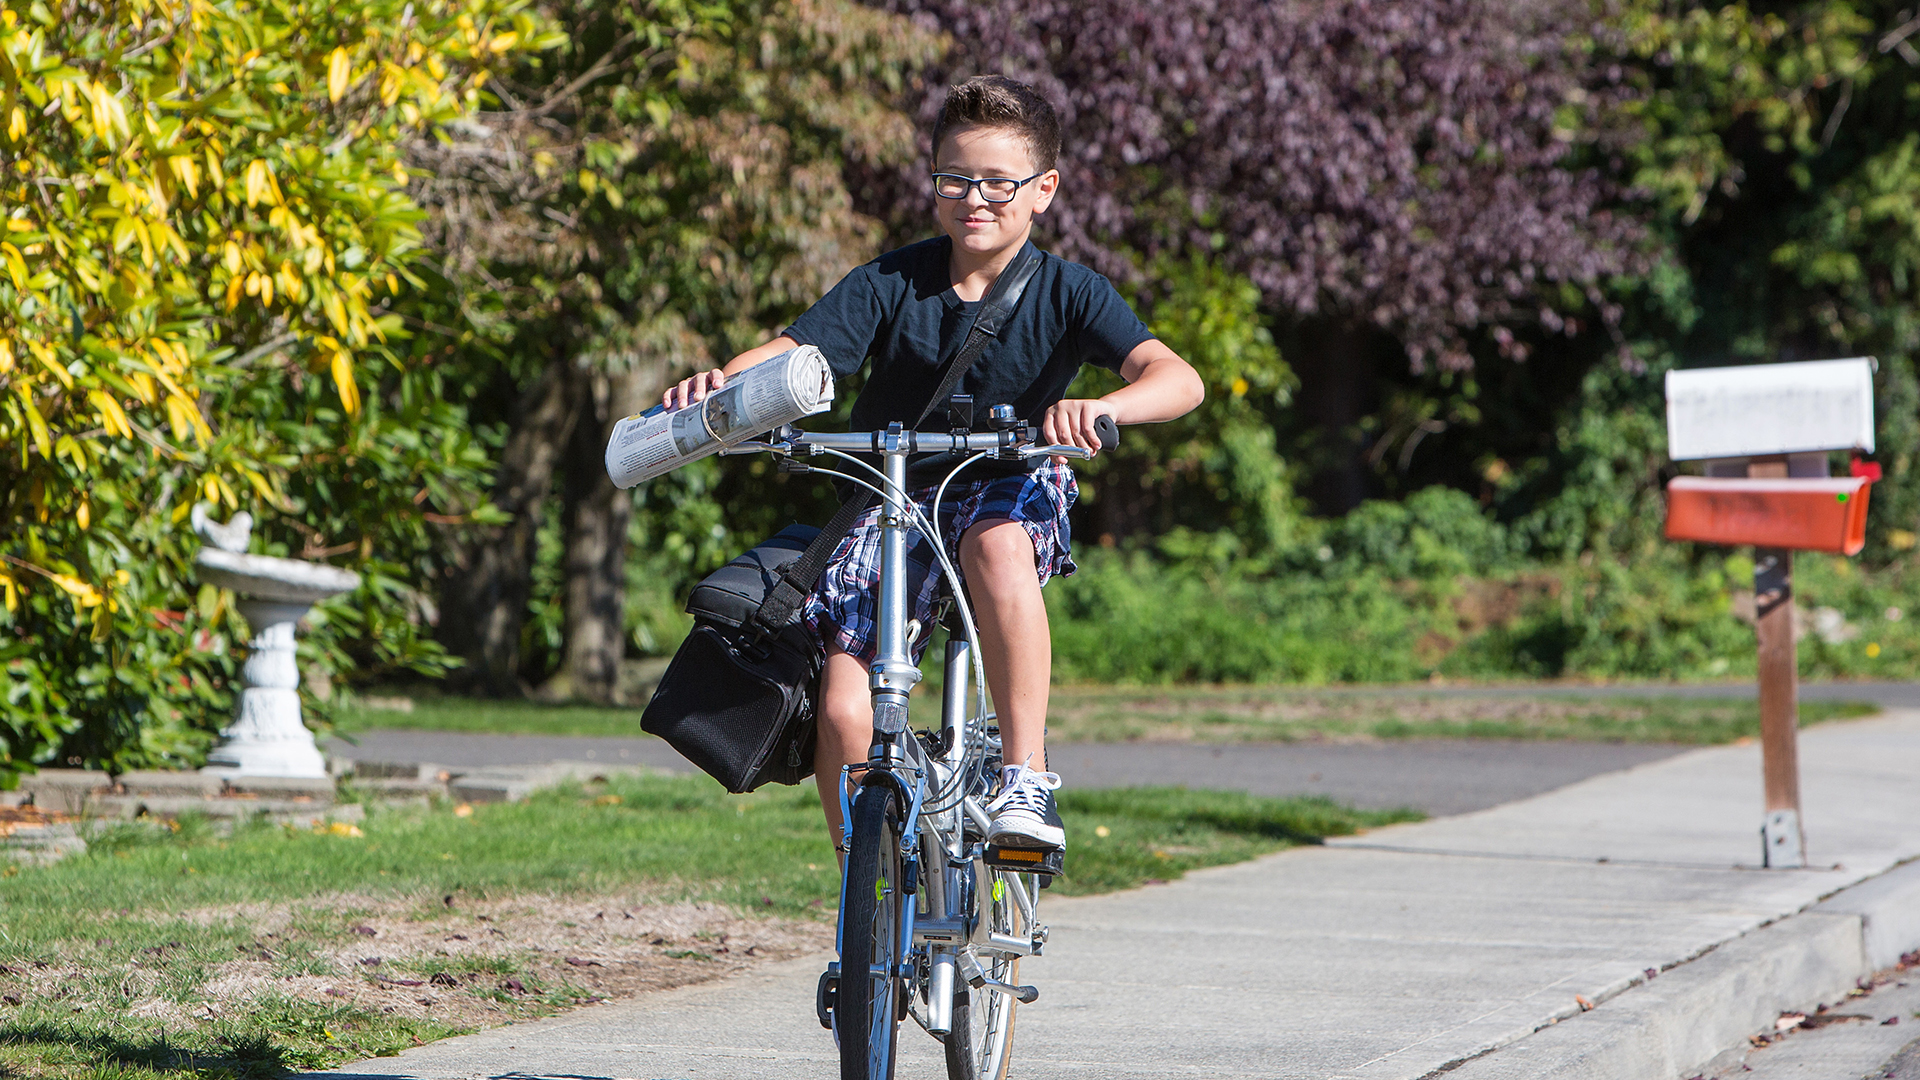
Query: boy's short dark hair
x,y
997,101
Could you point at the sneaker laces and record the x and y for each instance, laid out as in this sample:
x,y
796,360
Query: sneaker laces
x,y
1024,789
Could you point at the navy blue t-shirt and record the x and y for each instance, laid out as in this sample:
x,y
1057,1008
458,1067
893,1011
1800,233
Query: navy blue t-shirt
x,y
900,310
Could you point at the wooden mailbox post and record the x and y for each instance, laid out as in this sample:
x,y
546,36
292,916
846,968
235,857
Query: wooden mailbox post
x,y
1763,433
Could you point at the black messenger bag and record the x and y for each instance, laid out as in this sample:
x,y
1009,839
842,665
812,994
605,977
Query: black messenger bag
x,y
738,699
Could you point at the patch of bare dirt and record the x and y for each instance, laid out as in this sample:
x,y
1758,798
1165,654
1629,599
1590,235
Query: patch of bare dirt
x,y
478,963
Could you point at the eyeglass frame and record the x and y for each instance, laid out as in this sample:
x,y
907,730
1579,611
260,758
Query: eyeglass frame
x,y
974,185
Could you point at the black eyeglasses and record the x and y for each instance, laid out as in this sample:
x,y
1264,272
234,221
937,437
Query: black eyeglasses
x,y
994,189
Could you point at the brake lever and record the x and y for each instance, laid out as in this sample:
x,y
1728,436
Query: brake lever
x,y
1104,428
1079,452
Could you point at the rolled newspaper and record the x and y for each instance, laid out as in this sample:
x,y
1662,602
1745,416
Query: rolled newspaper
x,y
773,392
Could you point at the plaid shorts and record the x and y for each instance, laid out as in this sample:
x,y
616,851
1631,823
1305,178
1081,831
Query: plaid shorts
x,y
845,606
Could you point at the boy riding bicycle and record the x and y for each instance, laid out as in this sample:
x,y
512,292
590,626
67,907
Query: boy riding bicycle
x,y
995,148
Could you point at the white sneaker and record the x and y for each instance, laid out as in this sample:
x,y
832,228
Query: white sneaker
x,y
1023,813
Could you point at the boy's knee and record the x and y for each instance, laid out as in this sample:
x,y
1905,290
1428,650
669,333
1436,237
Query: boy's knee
x,y
846,713
998,547
845,704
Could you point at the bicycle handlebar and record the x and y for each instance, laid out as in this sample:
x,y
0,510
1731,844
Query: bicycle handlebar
x,y
1015,443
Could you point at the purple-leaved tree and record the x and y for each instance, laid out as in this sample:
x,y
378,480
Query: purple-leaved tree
x,y
1429,175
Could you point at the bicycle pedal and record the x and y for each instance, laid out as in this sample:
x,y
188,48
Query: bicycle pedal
x,y
1044,861
827,995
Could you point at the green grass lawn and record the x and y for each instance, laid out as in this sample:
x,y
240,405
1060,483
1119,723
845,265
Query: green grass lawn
x,y
1238,714
278,949
1225,714
436,713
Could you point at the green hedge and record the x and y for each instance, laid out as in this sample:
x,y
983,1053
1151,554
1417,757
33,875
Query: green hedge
x,y
1407,591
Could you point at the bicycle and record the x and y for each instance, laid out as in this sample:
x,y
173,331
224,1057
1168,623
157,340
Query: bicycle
x,y
934,921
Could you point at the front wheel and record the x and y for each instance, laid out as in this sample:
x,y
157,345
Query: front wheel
x,y
867,1013
980,1046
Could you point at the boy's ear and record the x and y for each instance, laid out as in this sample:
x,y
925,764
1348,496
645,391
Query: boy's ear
x,y
1047,185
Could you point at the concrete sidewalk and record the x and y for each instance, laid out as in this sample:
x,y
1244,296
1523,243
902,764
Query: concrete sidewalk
x,y
1464,944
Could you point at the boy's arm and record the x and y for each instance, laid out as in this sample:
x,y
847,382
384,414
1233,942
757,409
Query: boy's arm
x,y
1160,387
696,387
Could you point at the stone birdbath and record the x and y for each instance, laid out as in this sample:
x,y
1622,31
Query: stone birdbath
x,y
267,737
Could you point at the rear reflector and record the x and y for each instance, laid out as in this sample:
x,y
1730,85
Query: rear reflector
x,y
1827,514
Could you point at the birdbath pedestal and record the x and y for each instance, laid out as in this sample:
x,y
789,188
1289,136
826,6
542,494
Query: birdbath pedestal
x,y
267,737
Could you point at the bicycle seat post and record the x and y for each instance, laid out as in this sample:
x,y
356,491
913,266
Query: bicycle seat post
x,y
893,674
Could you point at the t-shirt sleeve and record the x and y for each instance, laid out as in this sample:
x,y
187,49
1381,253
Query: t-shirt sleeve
x,y
1106,326
844,323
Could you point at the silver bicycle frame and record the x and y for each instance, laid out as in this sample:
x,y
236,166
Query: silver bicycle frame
x,y
934,840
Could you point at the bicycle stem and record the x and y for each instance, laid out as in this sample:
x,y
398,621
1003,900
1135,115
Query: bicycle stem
x,y
893,674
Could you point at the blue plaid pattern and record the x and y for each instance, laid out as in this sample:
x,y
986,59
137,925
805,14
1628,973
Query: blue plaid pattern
x,y
844,606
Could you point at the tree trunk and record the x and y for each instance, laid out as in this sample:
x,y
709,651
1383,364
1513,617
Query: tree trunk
x,y
484,604
595,526
1337,361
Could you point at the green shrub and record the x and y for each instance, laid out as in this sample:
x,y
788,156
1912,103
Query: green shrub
x,y
1341,614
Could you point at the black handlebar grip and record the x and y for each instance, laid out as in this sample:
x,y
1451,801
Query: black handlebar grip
x,y
1107,430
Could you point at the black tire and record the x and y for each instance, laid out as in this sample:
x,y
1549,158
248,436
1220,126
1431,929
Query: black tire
x,y
867,1013
980,1046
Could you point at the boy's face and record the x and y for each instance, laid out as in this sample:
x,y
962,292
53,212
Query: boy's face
x,y
974,224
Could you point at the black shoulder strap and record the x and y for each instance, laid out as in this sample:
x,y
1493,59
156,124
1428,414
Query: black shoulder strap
x,y
799,576
993,314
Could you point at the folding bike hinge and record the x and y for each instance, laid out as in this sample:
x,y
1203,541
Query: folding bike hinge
x,y
976,976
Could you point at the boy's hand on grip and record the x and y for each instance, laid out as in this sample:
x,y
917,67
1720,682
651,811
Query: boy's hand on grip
x,y
1072,423
693,389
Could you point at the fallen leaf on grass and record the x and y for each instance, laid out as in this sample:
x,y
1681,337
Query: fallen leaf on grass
x,y
365,931
441,978
580,962
514,986
10,999
401,982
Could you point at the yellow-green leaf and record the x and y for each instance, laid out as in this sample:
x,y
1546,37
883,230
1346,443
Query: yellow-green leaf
x,y
339,69
343,380
36,424
16,264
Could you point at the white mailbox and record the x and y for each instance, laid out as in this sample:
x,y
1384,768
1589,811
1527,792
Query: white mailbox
x,y
1762,409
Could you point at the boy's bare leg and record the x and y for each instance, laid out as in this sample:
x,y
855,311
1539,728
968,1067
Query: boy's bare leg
x,y
1016,648
845,731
